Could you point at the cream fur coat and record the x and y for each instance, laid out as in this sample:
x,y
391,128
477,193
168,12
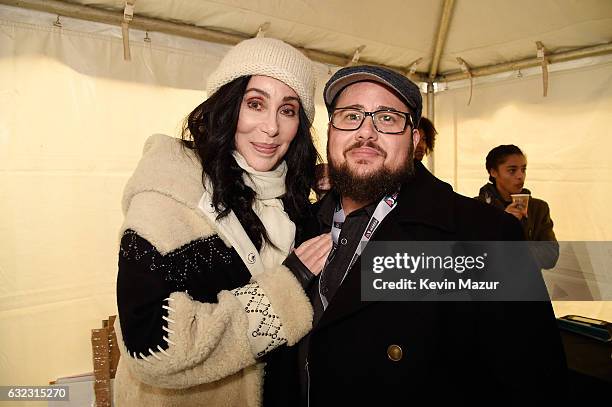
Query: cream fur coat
x,y
211,359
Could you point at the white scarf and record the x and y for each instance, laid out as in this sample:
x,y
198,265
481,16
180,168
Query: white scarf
x,y
269,186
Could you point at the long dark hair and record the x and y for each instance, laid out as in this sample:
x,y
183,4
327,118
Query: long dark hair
x,y
210,131
498,155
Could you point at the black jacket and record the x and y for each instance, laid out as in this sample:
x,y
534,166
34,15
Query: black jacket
x,y
468,353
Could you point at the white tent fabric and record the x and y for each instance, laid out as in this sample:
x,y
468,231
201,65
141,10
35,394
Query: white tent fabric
x,y
398,32
74,116
565,136
72,127
73,119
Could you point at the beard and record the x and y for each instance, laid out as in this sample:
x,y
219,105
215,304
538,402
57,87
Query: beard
x,y
372,185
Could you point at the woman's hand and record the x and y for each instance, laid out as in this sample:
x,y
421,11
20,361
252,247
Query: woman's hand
x,y
515,208
313,253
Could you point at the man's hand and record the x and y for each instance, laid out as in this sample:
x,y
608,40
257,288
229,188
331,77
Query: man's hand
x,y
313,253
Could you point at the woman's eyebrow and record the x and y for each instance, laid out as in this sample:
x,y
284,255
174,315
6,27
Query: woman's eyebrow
x,y
290,98
267,95
263,92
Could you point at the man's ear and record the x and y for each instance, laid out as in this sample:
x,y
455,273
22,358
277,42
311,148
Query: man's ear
x,y
416,137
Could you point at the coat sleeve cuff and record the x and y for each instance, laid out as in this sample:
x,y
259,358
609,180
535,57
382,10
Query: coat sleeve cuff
x,y
266,331
299,270
289,300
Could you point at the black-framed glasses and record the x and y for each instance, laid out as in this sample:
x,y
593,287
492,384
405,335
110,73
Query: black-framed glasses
x,y
385,121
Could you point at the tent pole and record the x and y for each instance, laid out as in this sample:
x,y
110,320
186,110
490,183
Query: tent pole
x,y
139,22
447,10
570,55
98,15
90,13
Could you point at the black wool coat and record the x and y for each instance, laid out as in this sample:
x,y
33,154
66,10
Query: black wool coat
x,y
453,353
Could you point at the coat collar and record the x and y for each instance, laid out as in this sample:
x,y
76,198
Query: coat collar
x,y
425,200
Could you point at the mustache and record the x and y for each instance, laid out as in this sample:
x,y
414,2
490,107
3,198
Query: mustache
x,y
370,144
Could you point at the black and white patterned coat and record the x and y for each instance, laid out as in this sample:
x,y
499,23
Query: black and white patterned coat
x,y
193,321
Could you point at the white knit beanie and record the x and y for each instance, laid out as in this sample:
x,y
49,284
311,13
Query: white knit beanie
x,y
268,57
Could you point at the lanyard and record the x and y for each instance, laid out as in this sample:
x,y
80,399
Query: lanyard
x,y
384,207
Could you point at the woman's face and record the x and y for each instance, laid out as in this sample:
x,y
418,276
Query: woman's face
x,y
267,123
510,175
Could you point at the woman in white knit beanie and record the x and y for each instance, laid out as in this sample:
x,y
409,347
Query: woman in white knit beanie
x,y
202,294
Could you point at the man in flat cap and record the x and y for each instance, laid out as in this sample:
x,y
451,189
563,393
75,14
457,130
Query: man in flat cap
x,y
396,353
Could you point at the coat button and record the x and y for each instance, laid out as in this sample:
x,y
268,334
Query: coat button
x,y
343,241
251,258
394,352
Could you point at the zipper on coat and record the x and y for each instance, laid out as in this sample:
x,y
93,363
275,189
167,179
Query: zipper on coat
x,y
307,385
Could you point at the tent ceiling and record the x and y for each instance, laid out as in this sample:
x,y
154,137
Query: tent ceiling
x,y
398,32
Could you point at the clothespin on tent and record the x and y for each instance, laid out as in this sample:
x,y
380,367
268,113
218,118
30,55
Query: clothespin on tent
x,y
57,22
128,16
261,31
466,69
413,67
542,56
356,55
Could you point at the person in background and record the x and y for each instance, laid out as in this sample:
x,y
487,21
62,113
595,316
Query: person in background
x,y
202,296
428,133
507,168
322,183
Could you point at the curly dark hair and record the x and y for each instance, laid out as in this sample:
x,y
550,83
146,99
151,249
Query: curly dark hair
x,y
498,155
210,131
430,133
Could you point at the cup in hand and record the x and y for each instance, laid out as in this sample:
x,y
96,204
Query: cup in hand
x,y
522,201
